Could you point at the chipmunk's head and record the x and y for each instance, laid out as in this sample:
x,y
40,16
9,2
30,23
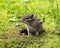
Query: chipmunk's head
x,y
27,18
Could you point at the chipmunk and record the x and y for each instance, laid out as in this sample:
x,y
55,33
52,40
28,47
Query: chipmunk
x,y
34,25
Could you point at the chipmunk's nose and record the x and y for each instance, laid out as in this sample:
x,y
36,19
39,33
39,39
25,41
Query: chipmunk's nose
x,y
21,20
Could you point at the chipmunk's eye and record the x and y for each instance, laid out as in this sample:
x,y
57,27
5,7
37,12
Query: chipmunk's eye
x,y
26,18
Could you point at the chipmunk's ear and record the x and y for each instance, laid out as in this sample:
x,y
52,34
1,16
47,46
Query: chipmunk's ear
x,y
32,15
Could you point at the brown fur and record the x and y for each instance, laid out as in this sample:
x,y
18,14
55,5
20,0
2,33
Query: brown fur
x,y
34,24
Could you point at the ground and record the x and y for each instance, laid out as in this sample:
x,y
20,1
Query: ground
x,y
12,39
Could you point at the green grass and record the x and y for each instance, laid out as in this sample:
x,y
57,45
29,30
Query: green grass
x,y
12,10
